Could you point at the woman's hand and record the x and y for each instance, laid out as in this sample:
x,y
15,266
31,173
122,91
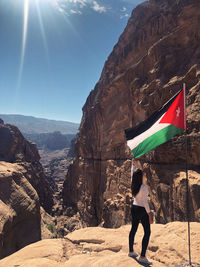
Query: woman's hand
x,y
150,217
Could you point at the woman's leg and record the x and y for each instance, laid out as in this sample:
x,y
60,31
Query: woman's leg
x,y
134,228
147,232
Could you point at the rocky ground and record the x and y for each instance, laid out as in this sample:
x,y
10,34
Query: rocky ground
x,y
96,246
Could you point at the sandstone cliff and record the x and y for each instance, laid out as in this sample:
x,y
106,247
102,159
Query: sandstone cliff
x,y
14,148
158,51
19,209
23,188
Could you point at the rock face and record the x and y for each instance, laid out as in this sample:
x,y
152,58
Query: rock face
x,y
96,246
19,209
14,148
23,188
157,52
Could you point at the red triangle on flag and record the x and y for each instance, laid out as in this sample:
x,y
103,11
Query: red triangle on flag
x,y
176,113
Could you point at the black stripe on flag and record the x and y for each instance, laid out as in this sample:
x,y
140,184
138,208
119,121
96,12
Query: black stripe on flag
x,y
145,125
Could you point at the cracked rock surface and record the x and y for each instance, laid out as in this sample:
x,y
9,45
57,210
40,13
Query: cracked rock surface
x,y
96,246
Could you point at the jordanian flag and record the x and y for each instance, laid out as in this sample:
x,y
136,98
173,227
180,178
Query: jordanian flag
x,y
159,128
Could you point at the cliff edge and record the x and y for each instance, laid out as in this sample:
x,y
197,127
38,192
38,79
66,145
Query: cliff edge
x,y
157,52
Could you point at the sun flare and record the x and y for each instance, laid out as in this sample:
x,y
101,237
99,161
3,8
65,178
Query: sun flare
x,y
24,38
27,7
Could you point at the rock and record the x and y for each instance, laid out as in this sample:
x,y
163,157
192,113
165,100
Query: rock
x,y
37,178
46,253
16,149
96,246
19,210
23,188
157,52
48,228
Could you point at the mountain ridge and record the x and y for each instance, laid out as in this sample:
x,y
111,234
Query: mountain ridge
x,y
31,124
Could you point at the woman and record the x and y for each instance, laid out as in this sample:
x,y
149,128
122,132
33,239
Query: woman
x,y
140,212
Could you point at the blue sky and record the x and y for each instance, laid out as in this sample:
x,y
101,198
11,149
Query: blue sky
x,y
53,51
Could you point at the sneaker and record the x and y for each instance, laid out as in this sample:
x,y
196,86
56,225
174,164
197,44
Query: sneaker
x,y
144,260
132,254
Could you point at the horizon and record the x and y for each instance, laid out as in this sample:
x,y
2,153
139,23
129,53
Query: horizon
x,y
38,118
53,53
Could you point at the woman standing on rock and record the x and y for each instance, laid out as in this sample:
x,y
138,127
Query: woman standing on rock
x,y
140,212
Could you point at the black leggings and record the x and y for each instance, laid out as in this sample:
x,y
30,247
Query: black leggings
x,y
139,214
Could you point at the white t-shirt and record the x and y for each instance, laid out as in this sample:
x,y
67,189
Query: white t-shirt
x,y
141,199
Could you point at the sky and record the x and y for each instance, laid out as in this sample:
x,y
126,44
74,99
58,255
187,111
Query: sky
x,y
52,53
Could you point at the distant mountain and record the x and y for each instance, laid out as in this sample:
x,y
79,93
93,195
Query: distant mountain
x,y
50,141
30,125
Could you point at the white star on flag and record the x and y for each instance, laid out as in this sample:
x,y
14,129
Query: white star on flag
x,y
178,112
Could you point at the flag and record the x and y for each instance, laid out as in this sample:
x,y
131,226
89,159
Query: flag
x,y
159,128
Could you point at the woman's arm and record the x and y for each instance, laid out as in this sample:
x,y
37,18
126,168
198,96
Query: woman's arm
x,y
145,198
150,213
150,217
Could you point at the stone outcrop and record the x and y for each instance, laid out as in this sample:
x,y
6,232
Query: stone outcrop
x,y
23,188
157,52
14,148
19,209
96,246
48,228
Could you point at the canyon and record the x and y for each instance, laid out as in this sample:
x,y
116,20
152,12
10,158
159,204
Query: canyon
x,y
157,52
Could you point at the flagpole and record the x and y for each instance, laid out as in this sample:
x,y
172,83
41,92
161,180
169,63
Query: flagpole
x,y
187,179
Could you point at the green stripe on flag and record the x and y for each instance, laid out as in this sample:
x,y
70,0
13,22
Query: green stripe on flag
x,y
155,140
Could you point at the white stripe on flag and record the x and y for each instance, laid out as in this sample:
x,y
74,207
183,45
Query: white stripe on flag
x,y
152,130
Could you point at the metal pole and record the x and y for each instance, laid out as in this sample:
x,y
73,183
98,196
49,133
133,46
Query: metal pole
x,y
187,179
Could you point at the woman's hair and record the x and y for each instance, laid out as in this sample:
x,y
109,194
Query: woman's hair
x,y
136,182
